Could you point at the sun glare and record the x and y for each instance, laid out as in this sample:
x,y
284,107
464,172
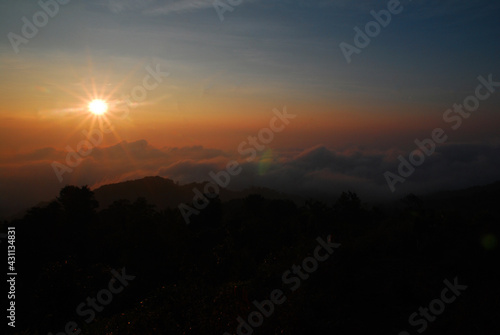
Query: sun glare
x,y
98,107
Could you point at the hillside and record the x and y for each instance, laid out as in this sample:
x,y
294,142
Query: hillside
x,y
165,193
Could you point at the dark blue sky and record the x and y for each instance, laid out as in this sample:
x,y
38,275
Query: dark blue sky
x,y
430,48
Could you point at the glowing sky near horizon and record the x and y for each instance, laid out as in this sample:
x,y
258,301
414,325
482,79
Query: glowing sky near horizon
x,y
225,75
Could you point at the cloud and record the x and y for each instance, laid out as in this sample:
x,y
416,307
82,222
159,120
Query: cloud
x,y
179,7
316,171
117,6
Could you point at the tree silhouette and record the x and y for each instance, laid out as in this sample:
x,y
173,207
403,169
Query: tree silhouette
x,y
348,204
79,204
198,279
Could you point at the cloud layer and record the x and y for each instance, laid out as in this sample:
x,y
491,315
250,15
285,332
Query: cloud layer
x,y
318,171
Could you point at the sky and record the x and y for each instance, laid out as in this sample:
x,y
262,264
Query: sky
x,y
219,81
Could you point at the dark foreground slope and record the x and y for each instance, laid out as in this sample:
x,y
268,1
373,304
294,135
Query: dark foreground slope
x,y
200,278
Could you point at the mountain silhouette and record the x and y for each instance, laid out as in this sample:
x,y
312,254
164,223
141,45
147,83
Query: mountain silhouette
x,y
165,193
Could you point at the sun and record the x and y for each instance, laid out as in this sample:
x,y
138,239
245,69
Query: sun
x,y
98,107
